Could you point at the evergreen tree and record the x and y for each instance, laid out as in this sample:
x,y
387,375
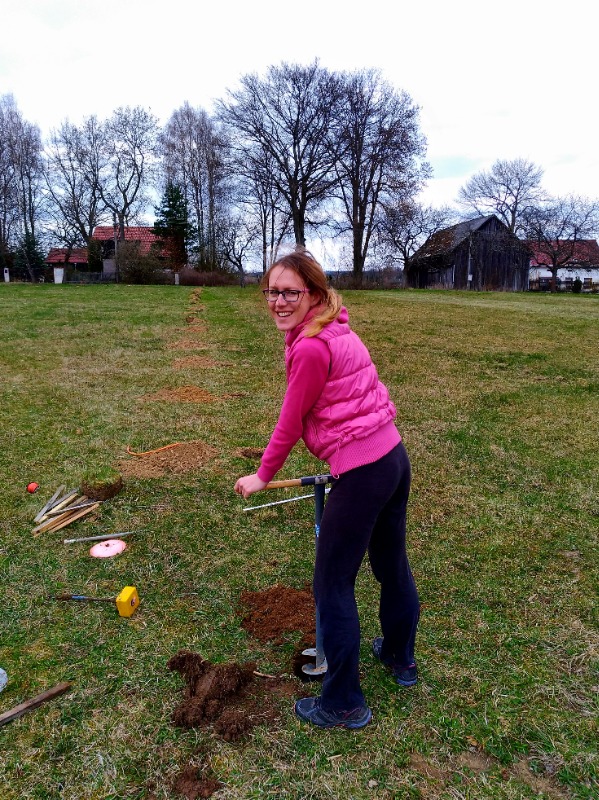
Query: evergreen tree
x,y
172,226
28,260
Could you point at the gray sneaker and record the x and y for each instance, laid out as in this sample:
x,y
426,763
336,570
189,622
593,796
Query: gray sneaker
x,y
309,710
405,676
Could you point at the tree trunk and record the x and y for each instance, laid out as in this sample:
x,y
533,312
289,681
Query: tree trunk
x,y
358,256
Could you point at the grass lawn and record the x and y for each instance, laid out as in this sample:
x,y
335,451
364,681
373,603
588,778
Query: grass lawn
x,y
498,403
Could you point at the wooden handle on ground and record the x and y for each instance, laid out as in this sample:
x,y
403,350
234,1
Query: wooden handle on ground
x,y
15,712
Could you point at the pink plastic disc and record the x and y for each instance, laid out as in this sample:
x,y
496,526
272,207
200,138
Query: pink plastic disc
x,y
111,547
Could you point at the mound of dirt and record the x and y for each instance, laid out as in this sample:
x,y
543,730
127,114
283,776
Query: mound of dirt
x,y
184,394
272,612
229,697
193,782
249,452
186,457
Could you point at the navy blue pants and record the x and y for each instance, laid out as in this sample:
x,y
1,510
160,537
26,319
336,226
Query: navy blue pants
x,y
365,511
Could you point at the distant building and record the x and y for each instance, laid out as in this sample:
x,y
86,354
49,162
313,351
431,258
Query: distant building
x,y
141,235
580,260
63,257
480,254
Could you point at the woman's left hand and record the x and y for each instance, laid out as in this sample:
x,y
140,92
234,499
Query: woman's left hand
x,y
249,484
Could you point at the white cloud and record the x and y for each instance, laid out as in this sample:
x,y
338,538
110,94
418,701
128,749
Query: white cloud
x,y
515,80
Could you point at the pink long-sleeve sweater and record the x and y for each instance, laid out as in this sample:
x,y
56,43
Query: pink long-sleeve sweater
x,y
307,375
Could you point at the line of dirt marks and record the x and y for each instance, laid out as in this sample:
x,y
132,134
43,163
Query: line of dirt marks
x,y
230,698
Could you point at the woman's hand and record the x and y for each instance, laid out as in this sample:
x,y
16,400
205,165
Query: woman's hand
x,y
249,484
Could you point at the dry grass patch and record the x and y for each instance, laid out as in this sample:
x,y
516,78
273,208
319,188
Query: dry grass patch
x,y
198,362
183,394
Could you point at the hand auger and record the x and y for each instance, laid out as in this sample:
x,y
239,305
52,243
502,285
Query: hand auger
x,y
320,489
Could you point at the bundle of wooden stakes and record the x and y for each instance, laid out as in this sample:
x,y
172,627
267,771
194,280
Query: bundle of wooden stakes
x,y
63,508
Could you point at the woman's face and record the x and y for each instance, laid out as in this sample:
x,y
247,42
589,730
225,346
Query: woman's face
x,y
286,313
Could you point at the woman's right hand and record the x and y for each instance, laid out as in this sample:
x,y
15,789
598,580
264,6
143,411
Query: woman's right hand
x,y
249,484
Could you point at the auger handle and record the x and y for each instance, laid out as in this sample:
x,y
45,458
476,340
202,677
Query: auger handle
x,y
308,480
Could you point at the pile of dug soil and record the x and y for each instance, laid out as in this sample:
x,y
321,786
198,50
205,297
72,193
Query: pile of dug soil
x,y
186,457
193,783
184,394
229,697
249,452
272,612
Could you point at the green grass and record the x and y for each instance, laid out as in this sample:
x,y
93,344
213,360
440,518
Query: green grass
x,y
498,403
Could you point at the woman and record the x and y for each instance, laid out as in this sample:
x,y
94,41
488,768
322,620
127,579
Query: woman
x,y
336,403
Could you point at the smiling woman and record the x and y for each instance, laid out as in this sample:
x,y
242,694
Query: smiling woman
x,y
289,300
337,405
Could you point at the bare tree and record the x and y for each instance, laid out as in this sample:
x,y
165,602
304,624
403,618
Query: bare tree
x,y
237,236
556,229
508,190
21,197
191,148
127,148
73,166
9,205
259,200
406,226
379,152
286,117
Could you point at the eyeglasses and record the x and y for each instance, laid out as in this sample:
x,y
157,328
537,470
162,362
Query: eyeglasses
x,y
288,295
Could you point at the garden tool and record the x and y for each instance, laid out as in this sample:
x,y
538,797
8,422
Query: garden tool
x,y
126,601
318,481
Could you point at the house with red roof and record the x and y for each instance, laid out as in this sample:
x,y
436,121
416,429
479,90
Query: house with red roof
x,y
573,260
77,258
136,234
141,235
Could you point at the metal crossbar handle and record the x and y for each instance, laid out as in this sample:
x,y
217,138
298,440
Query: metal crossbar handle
x,y
288,500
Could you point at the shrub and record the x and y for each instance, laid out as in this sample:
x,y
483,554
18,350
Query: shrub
x,y
193,277
137,268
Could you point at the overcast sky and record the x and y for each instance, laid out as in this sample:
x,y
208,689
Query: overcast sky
x,y
493,80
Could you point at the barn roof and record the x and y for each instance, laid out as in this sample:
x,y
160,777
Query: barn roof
x,y
448,239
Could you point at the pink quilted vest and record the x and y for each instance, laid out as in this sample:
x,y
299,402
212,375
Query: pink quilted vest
x,y
354,403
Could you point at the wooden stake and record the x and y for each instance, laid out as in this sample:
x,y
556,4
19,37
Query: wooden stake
x,y
68,499
53,513
34,702
49,522
62,523
50,504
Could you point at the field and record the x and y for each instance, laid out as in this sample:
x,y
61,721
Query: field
x,y
498,405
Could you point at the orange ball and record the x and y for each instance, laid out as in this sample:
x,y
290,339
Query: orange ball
x,y
33,487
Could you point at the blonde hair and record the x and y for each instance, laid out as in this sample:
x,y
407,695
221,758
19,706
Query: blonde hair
x,y
302,262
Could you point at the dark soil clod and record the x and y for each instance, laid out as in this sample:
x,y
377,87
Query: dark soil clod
x,y
230,697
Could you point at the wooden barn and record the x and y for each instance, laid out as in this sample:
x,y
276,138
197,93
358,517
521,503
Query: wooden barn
x,y
479,254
